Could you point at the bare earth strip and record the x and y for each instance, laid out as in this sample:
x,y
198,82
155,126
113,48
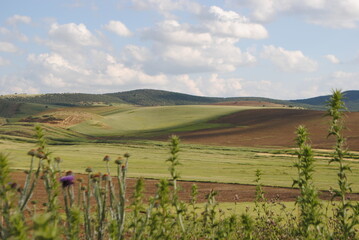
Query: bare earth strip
x,y
273,128
226,192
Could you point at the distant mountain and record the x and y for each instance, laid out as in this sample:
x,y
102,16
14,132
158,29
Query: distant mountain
x,y
63,99
351,99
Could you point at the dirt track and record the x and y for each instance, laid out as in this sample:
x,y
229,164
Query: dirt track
x,y
273,127
226,192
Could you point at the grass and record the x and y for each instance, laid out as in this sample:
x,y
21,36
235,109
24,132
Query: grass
x,y
200,163
151,120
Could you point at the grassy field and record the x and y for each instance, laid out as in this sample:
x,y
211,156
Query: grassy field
x,y
149,120
199,163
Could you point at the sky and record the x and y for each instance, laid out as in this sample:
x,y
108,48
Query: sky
x,y
282,49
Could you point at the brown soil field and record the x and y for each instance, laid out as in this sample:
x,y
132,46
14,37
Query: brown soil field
x,y
226,192
273,128
250,104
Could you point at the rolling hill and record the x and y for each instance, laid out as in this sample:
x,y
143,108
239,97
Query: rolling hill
x,y
10,104
351,100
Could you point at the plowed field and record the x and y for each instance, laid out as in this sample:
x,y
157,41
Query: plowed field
x,y
273,127
226,192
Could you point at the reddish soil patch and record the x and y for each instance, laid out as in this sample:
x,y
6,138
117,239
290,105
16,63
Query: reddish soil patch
x,y
273,127
250,104
226,192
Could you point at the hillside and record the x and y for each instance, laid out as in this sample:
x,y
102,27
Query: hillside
x,y
18,106
351,100
63,99
150,97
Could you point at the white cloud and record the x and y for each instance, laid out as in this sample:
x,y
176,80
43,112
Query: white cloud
x,y
72,34
344,75
57,63
4,62
134,54
16,84
343,80
170,31
231,24
53,81
119,28
330,13
165,7
289,61
8,47
209,46
4,31
223,87
14,34
189,85
331,58
18,19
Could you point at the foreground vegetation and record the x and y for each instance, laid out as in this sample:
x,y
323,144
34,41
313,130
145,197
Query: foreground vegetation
x,y
98,210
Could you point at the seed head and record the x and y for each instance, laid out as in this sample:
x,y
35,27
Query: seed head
x,y
89,170
119,161
106,158
32,152
126,155
106,177
40,154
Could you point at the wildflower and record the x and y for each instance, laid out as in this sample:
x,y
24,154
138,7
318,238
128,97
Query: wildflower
x,y
67,180
40,154
13,185
32,152
106,158
119,161
106,177
126,155
89,169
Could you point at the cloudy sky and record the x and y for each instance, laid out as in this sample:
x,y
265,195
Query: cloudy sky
x,y
284,49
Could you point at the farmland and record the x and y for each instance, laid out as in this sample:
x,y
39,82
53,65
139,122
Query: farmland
x,y
224,142
245,151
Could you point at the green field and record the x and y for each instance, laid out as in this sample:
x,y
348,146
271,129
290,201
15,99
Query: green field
x,y
147,121
199,163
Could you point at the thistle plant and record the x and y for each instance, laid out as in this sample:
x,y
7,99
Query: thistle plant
x,y
12,222
310,216
137,207
174,162
346,220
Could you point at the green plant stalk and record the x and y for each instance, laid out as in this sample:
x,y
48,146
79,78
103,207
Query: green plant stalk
x,y
28,190
123,198
86,203
67,211
101,227
137,206
173,159
308,201
336,108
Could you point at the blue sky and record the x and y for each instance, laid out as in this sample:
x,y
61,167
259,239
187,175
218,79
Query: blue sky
x,y
284,49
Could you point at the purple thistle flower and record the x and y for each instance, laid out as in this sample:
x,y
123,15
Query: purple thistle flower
x,y
67,180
